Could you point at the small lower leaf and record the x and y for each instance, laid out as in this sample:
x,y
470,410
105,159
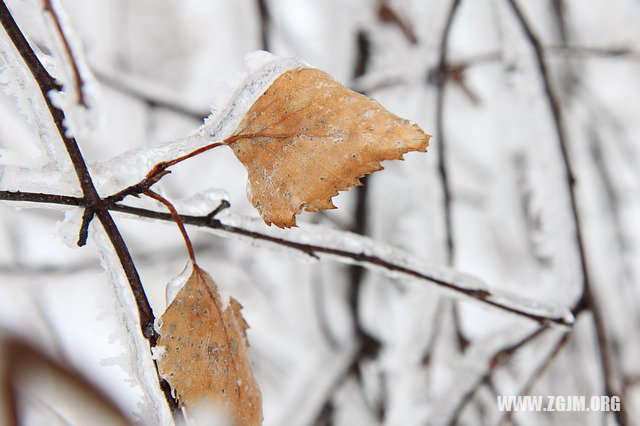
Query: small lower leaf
x,y
205,356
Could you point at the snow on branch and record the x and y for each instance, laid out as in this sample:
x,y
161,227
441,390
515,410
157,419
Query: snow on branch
x,y
317,242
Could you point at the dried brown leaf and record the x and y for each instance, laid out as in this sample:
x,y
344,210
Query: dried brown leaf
x,y
205,356
308,137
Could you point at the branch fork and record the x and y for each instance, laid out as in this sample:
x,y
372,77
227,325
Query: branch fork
x,y
143,187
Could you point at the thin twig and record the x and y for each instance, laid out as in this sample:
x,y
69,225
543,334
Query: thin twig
x,y
67,47
83,234
388,15
598,52
129,88
156,173
497,360
224,204
538,372
442,147
160,169
608,368
312,250
443,71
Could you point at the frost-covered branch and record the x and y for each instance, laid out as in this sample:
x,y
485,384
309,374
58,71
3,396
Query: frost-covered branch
x,y
91,200
318,243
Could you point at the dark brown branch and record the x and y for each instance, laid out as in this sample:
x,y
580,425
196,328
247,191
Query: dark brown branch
x,y
607,365
150,99
389,16
308,249
559,16
265,23
34,197
443,72
442,147
224,204
91,199
74,65
611,52
83,234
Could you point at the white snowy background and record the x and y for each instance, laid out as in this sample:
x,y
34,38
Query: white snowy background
x,y
331,343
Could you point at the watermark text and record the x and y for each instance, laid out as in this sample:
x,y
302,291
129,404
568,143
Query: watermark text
x,y
558,403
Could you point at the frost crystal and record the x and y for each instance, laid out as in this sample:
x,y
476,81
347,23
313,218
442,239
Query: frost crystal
x,y
174,286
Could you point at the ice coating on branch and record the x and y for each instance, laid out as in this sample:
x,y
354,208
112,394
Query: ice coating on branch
x,y
201,203
338,242
257,59
265,68
16,80
113,175
136,362
225,88
130,167
7,157
67,229
39,180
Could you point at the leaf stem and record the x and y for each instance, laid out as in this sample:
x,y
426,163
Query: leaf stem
x,y
177,219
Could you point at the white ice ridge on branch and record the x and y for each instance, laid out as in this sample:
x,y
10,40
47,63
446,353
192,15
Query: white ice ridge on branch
x,y
119,172
393,262
311,242
130,167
